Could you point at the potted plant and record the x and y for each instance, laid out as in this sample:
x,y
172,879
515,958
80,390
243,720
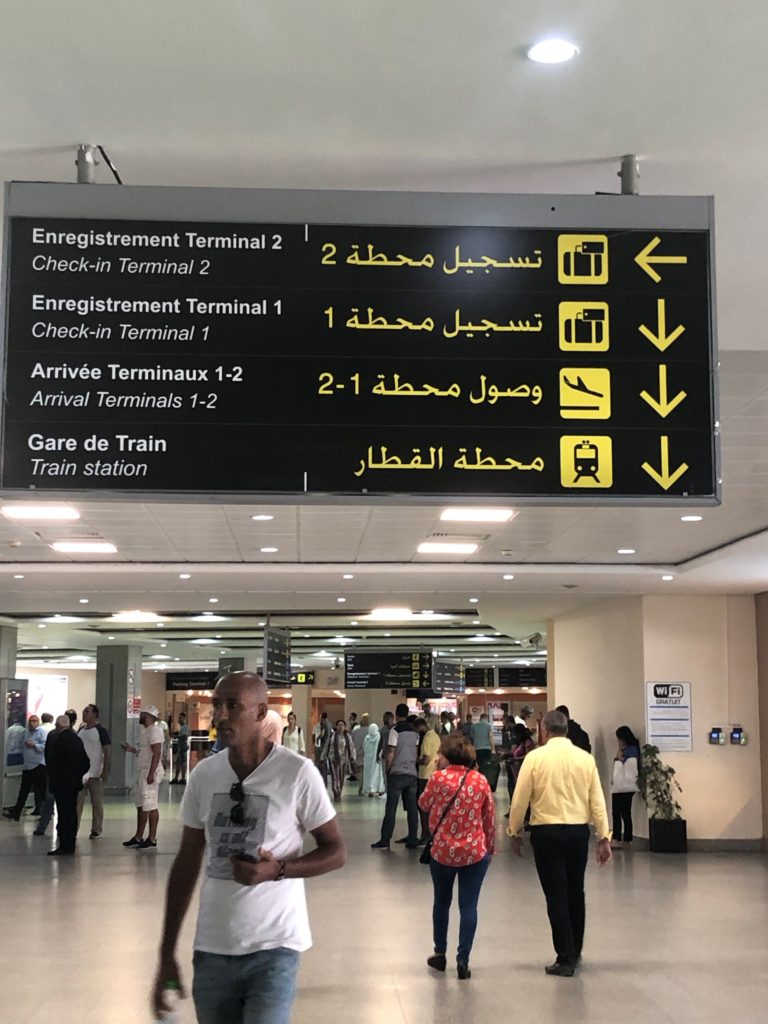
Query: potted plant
x,y
657,782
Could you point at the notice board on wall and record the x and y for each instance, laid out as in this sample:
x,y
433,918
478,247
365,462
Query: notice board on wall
x,y
187,341
669,716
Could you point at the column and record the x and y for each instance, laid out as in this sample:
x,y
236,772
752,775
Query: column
x,y
8,635
118,697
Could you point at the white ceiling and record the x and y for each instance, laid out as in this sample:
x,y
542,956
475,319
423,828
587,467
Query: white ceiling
x,y
429,96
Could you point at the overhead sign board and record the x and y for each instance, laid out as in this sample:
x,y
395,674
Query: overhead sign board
x,y
387,670
178,341
277,655
304,678
479,677
520,675
447,677
190,680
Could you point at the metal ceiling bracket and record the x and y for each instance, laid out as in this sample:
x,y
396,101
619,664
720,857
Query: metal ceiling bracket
x,y
630,175
86,164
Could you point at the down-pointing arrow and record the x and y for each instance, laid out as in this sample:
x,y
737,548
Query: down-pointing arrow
x,y
663,405
664,478
660,338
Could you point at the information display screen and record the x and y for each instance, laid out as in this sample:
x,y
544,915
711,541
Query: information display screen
x,y
447,677
312,358
387,670
479,677
277,655
512,675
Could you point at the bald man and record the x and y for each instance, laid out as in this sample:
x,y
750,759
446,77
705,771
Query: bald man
x,y
245,812
68,763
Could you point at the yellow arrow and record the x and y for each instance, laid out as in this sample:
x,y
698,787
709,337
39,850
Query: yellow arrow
x,y
645,261
661,339
664,478
663,406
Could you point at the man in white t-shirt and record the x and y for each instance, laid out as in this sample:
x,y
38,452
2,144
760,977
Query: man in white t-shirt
x,y
245,812
146,792
98,747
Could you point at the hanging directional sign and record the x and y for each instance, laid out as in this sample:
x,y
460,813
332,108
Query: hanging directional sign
x,y
164,341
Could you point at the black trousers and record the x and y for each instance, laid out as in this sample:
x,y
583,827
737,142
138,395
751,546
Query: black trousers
x,y
560,853
66,808
33,779
622,816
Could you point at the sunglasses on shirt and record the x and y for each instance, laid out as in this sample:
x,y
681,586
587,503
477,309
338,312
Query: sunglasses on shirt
x,y
237,814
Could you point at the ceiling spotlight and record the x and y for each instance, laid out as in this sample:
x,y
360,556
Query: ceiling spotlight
x,y
341,600
348,576
262,517
63,618
185,576
691,519
213,600
552,51
268,551
667,578
83,600
18,576
473,600
508,576
626,551
135,616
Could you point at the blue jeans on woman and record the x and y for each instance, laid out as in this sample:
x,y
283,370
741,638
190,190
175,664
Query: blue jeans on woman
x,y
470,882
256,988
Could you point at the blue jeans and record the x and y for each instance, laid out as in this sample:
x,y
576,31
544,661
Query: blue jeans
x,y
258,988
470,882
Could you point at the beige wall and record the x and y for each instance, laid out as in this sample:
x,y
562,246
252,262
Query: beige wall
x,y
761,609
606,652
597,671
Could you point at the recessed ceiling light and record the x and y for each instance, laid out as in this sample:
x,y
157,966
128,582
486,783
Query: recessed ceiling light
x,y
508,576
268,551
34,511
552,51
112,638
446,548
63,618
626,551
391,614
203,642
354,622
41,626
162,645
691,519
208,617
134,616
262,517
475,622
387,634
83,600
84,547
341,600
473,600
347,576
667,578
262,623
213,600
18,576
185,576
477,515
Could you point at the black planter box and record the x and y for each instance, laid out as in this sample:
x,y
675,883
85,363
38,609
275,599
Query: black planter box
x,y
667,836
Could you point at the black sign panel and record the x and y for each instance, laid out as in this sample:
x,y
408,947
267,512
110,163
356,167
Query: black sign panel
x,y
513,675
302,678
429,360
479,677
190,680
447,677
277,655
387,670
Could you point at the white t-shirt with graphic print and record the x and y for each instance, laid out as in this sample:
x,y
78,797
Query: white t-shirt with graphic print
x,y
284,799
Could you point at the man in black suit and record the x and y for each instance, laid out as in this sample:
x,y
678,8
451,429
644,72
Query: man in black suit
x,y
67,764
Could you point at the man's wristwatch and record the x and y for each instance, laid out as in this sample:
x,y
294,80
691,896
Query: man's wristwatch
x,y
281,872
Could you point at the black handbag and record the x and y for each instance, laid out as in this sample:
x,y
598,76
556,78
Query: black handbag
x,y
426,853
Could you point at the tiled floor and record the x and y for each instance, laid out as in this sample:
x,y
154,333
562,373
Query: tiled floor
x,y
669,939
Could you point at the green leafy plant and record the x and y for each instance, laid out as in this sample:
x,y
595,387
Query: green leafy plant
x,y
657,783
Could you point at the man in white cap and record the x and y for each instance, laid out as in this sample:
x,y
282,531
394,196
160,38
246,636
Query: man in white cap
x,y
150,775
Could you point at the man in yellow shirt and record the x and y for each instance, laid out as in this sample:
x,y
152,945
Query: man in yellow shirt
x,y
561,784
429,748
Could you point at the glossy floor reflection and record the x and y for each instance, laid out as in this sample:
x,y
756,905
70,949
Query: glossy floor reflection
x,y
669,938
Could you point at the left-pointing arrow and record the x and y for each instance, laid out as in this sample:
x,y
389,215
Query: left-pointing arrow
x,y
663,405
664,478
646,261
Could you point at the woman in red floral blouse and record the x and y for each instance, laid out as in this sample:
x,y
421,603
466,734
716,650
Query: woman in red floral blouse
x,y
462,844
